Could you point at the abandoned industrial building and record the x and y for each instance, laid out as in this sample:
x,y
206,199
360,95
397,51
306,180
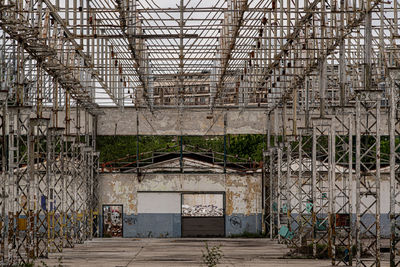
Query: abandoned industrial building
x,y
199,133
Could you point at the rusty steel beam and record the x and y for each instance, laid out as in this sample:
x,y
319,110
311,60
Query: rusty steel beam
x,y
230,47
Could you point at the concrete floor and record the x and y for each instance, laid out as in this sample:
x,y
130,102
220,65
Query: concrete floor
x,y
118,252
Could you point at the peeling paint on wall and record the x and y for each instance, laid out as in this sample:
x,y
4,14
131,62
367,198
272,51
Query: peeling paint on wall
x,y
117,189
229,202
243,192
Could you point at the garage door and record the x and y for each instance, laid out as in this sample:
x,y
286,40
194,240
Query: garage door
x,y
159,214
203,215
158,203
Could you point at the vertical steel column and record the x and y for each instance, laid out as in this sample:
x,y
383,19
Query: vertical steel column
x,y
394,137
68,190
137,146
293,198
20,240
368,177
305,188
39,168
225,126
280,191
95,180
96,200
314,190
322,176
331,181
283,224
80,182
341,189
55,205
87,191
78,190
4,178
69,178
273,191
88,163
267,180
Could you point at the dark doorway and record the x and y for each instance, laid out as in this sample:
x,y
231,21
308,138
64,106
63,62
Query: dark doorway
x,y
112,220
203,215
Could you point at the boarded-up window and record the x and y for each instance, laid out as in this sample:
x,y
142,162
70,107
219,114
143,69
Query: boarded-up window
x,y
159,202
209,205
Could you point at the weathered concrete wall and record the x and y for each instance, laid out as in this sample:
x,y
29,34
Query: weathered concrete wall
x,y
169,122
242,194
116,121
198,122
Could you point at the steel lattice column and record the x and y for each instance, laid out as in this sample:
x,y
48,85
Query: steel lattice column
x,y
292,206
20,212
4,198
281,193
368,177
321,175
88,188
273,191
394,136
55,205
267,195
95,204
305,187
95,171
341,208
271,173
69,190
79,182
294,185
38,173
79,192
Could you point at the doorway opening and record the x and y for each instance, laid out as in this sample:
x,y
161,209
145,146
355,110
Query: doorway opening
x,y
112,220
203,215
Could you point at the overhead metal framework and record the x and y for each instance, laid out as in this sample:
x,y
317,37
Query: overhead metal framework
x,y
232,53
326,70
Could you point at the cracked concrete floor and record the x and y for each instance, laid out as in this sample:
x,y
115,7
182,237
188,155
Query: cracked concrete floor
x,y
118,252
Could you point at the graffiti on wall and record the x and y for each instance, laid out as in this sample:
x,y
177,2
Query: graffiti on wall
x,y
235,222
130,221
112,221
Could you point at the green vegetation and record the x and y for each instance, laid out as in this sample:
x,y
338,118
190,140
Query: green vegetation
x,y
42,263
115,147
248,235
306,252
246,147
239,146
212,255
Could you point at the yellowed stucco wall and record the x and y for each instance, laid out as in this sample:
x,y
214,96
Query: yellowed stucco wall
x,y
243,192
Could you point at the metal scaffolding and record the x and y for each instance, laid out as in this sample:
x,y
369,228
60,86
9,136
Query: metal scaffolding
x,y
324,71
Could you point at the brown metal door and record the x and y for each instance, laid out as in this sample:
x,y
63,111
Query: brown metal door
x,y
203,215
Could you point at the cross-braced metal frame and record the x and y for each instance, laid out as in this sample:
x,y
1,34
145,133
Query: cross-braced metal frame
x,y
61,61
394,135
367,167
341,188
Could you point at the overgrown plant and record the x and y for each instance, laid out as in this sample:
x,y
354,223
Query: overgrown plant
x,y
42,263
60,261
212,255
